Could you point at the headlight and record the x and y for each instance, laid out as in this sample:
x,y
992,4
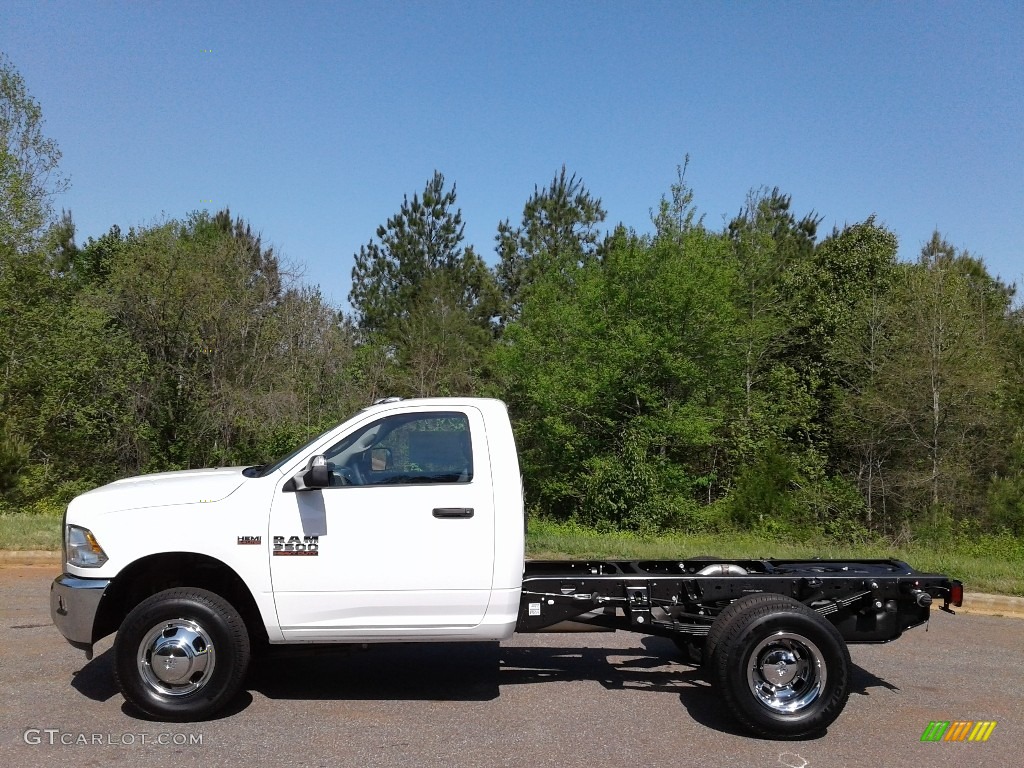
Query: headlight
x,y
82,548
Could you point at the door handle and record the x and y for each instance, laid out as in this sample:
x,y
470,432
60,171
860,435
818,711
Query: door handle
x,y
453,513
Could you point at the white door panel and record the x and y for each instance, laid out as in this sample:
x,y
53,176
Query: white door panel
x,y
386,556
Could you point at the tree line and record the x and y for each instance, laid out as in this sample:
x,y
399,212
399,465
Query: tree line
x,y
762,375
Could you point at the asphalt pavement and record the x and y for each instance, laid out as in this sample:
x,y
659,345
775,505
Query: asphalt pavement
x,y
537,700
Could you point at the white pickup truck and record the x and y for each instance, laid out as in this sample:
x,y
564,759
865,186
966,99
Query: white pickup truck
x,y
406,523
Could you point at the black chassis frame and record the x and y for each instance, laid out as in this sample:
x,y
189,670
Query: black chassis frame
x,y
868,601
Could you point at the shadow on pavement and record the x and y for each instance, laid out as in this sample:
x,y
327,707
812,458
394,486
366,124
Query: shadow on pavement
x,y
861,680
464,672
412,671
478,671
95,680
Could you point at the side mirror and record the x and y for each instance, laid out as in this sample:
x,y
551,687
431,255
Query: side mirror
x,y
314,476
380,459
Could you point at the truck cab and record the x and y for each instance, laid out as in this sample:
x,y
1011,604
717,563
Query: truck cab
x,y
415,531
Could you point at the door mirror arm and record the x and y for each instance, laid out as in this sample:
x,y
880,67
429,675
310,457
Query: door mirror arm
x,y
312,477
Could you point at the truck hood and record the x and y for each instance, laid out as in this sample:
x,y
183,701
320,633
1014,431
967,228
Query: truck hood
x,y
161,489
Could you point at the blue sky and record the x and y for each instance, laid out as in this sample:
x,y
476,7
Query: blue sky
x,y
312,121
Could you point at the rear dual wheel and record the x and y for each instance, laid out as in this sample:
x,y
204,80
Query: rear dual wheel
x,y
782,669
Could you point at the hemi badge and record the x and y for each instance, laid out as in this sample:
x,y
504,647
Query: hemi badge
x,y
250,539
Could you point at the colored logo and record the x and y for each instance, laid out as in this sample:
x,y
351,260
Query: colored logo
x,y
958,730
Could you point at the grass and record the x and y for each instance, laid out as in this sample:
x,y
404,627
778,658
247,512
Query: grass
x,y
993,564
27,532
984,563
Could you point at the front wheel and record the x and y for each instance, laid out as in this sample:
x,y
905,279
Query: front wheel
x,y
181,654
782,668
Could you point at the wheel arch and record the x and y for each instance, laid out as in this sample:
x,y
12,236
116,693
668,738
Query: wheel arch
x,y
166,570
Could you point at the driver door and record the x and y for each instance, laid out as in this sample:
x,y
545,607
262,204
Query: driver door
x,y
402,542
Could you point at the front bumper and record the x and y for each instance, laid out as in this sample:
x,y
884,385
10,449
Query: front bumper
x,y
74,603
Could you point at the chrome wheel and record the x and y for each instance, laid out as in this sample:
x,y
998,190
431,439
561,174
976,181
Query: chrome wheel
x,y
181,654
176,657
782,668
786,672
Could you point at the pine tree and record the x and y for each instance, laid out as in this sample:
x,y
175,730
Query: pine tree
x,y
558,233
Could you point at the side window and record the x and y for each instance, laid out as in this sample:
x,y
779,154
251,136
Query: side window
x,y
403,450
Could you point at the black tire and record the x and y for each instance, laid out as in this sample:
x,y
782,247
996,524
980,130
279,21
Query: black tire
x,y
202,646
724,619
781,668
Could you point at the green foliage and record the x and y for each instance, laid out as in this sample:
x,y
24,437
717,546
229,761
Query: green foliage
x,y
61,390
1005,500
423,240
762,496
678,215
753,378
14,455
172,346
425,236
558,234
947,382
775,373
850,267
852,318
232,353
422,301
612,380
44,489
28,163
440,344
